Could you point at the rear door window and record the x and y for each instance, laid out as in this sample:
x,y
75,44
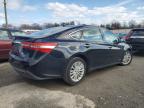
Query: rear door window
x,y
4,35
72,35
76,35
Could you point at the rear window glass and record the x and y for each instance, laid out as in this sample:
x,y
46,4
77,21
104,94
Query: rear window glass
x,y
18,33
138,33
4,35
48,32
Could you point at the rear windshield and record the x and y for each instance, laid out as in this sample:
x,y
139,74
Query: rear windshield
x,y
48,32
18,33
138,33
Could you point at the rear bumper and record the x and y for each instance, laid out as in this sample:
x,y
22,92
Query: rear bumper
x,y
47,68
27,74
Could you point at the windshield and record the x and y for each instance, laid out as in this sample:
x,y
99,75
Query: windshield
x,y
138,33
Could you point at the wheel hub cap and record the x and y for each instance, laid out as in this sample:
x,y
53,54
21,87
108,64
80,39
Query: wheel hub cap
x,y
127,58
77,71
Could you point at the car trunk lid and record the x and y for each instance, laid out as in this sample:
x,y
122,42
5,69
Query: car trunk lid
x,y
31,49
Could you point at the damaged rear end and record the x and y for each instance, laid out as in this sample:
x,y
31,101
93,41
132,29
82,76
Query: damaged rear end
x,y
36,58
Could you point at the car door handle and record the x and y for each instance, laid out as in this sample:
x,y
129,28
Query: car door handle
x,y
110,47
87,45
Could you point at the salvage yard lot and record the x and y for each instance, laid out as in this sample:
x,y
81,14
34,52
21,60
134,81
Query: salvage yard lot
x,y
114,87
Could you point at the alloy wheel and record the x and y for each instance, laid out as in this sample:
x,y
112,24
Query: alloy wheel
x,y
77,71
127,58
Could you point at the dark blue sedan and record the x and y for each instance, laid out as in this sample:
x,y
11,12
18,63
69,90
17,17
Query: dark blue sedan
x,y
67,52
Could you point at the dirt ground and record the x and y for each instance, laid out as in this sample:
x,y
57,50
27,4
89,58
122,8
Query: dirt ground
x,y
113,87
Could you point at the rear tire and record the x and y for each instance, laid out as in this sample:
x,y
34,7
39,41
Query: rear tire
x,y
75,71
127,59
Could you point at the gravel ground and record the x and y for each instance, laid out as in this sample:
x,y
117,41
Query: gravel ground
x,y
22,95
114,87
7,75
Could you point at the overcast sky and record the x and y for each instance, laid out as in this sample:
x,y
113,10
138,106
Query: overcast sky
x,y
84,11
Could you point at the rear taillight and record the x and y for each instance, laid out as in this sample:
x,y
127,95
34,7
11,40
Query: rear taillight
x,y
41,47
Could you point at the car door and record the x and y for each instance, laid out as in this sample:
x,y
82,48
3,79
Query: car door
x,y
97,51
116,51
5,44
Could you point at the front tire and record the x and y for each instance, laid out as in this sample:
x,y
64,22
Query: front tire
x,y
75,71
127,59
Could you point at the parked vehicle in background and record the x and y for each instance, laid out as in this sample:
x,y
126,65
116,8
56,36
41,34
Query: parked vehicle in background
x,y
5,41
136,39
67,52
